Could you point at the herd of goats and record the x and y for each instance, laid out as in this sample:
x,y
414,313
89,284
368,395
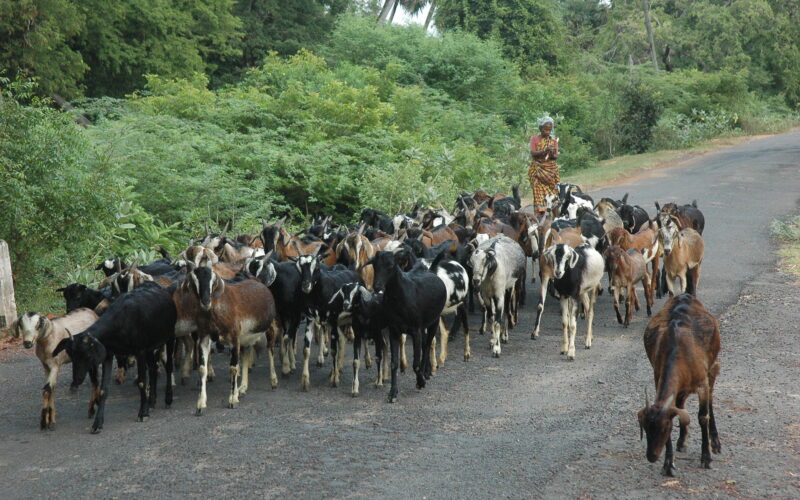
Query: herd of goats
x,y
386,279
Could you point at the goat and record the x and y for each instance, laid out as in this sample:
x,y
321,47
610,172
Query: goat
x,y
606,209
504,207
633,217
319,285
683,256
377,219
358,250
47,334
687,215
498,265
243,314
682,342
456,281
138,323
576,276
79,295
283,280
413,303
644,240
625,270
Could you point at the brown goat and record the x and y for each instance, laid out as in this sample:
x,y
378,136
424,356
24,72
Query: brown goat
x,y
645,240
625,270
242,314
359,250
683,256
682,342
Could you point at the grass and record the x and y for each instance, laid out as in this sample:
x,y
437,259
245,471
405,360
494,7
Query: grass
x,y
787,233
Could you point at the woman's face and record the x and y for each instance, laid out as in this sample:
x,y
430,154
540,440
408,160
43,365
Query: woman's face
x,y
546,129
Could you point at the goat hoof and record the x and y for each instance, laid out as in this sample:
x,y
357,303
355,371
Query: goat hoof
x,y
231,406
588,347
467,357
144,419
716,447
320,364
51,427
354,394
681,448
668,470
393,399
198,412
97,430
167,406
570,357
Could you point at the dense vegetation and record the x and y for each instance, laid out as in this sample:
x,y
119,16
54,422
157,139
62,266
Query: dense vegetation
x,y
248,109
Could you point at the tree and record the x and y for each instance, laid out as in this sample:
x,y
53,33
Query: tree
x,y
281,27
35,40
126,39
531,32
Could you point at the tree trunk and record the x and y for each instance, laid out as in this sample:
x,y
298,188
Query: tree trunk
x,y
394,9
646,6
429,17
387,8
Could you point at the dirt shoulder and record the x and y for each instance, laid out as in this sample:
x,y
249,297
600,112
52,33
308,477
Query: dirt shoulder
x,y
757,409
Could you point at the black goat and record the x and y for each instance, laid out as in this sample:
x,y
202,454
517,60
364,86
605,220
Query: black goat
x,y
414,302
633,217
138,323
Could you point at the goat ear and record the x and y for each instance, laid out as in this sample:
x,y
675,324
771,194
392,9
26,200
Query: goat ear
x,y
281,222
15,328
573,259
61,290
683,415
658,207
64,345
625,199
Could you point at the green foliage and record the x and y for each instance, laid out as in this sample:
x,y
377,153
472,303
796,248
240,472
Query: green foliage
x,y
35,40
639,115
531,32
460,64
126,39
52,201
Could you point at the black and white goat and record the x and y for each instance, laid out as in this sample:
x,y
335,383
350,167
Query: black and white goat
x,y
319,284
576,278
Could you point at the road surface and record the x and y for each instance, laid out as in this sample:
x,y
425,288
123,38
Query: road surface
x,y
527,425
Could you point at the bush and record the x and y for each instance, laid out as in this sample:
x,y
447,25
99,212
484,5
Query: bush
x,y
641,108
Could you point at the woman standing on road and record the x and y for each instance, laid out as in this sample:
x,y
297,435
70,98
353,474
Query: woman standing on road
x,y
543,172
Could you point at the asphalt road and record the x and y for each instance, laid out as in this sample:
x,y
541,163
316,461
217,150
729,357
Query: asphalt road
x,y
527,425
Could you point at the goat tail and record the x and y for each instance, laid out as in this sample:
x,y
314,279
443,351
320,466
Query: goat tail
x,y
515,192
163,252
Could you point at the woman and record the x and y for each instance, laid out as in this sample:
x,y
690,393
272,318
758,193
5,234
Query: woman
x,y
543,172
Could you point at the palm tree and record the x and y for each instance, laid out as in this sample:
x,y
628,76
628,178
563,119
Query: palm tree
x,y
413,7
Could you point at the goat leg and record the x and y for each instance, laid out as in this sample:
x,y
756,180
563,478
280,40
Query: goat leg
x,y
105,378
669,465
394,341
141,383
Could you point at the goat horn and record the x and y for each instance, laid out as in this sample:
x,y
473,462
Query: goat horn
x,y
224,230
361,228
281,222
